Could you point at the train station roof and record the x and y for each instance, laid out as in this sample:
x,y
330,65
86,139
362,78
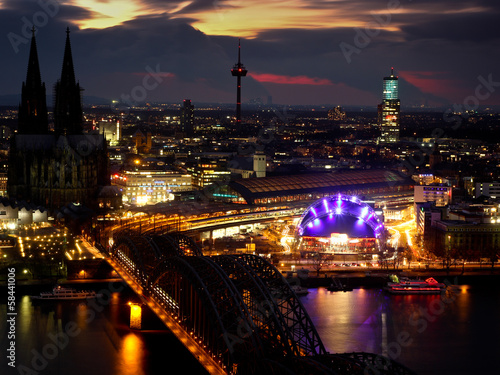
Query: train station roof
x,y
341,180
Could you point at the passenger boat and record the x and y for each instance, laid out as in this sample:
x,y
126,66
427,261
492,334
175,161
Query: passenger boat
x,y
338,286
409,286
299,290
63,293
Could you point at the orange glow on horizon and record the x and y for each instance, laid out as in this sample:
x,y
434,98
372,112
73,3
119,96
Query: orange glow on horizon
x,y
232,17
435,83
290,80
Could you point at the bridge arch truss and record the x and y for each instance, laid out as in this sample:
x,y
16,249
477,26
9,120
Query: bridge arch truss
x,y
238,308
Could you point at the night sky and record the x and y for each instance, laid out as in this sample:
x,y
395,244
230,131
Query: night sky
x,y
297,51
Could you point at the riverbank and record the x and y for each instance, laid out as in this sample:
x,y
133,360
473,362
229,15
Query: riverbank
x,y
379,278
352,278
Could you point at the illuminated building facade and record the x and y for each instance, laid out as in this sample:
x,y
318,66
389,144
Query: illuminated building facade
x,y
397,213
424,178
389,110
150,186
439,194
13,214
3,184
112,131
206,173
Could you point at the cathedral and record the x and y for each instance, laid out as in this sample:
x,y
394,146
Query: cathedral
x,y
59,166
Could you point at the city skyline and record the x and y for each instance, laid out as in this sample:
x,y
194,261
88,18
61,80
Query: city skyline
x,y
298,52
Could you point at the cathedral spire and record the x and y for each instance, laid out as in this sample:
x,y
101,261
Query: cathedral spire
x,y
68,116
33,107
33,77
68,71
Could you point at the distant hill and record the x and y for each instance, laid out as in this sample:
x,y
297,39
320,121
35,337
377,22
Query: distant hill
x,y
9,100
15,99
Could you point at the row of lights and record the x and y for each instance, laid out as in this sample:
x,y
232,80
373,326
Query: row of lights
x,y
192,333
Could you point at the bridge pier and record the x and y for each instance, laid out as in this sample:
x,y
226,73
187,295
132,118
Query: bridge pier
x,y
135,315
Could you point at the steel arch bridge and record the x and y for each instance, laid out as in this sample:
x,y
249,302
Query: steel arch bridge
x,y
238,309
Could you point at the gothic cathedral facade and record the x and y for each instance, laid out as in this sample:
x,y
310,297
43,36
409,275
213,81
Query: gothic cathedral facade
x,y
55,167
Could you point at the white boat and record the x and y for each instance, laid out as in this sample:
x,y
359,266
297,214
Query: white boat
x,y
63,293
409,286
299,290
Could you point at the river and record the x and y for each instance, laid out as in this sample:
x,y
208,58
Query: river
x,y
453,334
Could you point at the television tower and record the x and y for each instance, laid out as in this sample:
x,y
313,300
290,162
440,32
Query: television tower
x,y
238,71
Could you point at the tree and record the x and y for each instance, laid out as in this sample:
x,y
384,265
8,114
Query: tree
x,y
492,253
409,255
318,262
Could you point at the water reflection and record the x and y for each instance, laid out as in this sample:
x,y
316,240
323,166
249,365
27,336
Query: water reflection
x,y
456,333
131,355
102,343
347,321
431,334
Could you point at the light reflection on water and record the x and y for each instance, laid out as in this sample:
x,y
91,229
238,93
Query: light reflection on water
x,y
131,355
431,334
346,321
103,344
457,334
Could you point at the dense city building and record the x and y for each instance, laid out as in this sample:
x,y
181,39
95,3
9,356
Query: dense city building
x,y
206,172
140,187
249,166
336,114
426,214
187,119
487,189
14,213
440,194
112,131
465,240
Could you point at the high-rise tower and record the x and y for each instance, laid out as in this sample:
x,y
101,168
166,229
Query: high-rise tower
x,y
33,108
187,118
68,115
238,71
388,110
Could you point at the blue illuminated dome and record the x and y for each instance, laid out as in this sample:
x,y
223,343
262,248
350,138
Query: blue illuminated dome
x,y
340,214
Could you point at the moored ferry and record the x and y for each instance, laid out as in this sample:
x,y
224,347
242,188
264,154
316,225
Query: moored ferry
x,y
299,290
409,286
63,293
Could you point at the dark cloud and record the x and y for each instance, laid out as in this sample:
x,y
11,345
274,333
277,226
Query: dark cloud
x,y
476,27
194,7
112,62
33,10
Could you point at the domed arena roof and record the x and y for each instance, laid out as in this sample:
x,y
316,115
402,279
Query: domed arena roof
x,y
340,214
